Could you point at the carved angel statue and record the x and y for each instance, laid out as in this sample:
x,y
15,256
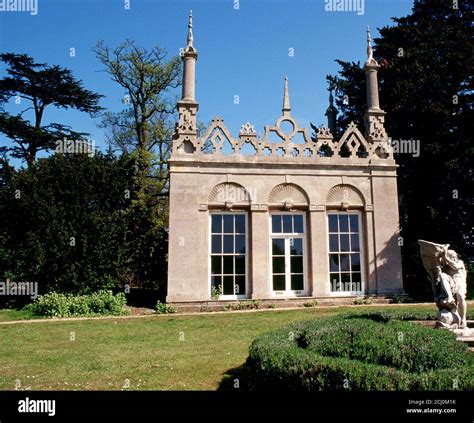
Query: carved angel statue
x,y
448,280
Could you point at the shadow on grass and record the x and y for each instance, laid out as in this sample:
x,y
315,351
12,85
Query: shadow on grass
x,y
236,379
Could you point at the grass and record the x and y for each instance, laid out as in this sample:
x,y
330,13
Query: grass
x,y
189,352
8,314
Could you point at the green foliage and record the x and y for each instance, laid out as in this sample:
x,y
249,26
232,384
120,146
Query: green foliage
x,y
41,85
359,352
312,303
55,304
362,301
216,292
63,223
426,88
243,305
162,308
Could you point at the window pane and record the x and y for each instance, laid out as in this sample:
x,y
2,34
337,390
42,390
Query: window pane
x,y
344,262
297,247
239,288
355,243
228,265
216,244
278,282
276,223
287,224
333,243
278,247
354,220
356,282
343,223
346,281
216,265
334,262
278,264
298,222
216,281
355,262
239,224
297,282
240,265
335,282
228,244
216,223
344,242
345,277
228,223
240,244
297,264
332,222
228,285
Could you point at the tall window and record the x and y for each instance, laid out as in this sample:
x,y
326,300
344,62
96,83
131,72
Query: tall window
x,y
287,243
229,253
344,252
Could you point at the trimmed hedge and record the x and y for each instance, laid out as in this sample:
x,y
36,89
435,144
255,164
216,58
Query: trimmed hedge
x,y
55,304
359,352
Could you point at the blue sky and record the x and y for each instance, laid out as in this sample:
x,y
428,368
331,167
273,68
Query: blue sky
x,y
242,51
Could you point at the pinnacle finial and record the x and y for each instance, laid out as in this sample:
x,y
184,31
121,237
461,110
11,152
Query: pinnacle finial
x,y
286,98
190,29
370,53
331,98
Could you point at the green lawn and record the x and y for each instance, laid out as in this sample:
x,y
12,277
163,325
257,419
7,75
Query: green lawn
x,y
167,352
11,314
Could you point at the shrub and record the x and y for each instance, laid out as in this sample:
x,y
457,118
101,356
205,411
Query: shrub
x,y
55,304
361,301
162,308
216,292
242,305
359,352
312,303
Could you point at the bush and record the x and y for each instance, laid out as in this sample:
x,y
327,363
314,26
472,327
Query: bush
x,y
162,308
359,352
242,305
55,304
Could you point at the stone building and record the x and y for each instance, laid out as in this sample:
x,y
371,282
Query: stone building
x,y
283,215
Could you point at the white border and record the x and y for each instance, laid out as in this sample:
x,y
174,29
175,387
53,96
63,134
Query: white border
x,y
363,274
288,293
209,277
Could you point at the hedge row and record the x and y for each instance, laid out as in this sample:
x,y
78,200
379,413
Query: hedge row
x,y
55,304
359,353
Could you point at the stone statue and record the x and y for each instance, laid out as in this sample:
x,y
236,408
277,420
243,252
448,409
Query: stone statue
x,y
448,281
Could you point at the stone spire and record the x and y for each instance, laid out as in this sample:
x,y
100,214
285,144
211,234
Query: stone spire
x,y
187,106
286,99
371,67
331,114
190,30
374,116
189,60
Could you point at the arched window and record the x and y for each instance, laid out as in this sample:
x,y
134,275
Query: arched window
x,y
344,222
228,221
288,204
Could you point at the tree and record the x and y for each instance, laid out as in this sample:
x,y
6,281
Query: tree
x,y
426,84
147,78
144,130
62,222
41,86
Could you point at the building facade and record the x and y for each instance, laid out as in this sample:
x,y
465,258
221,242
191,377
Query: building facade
x,y
283,215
